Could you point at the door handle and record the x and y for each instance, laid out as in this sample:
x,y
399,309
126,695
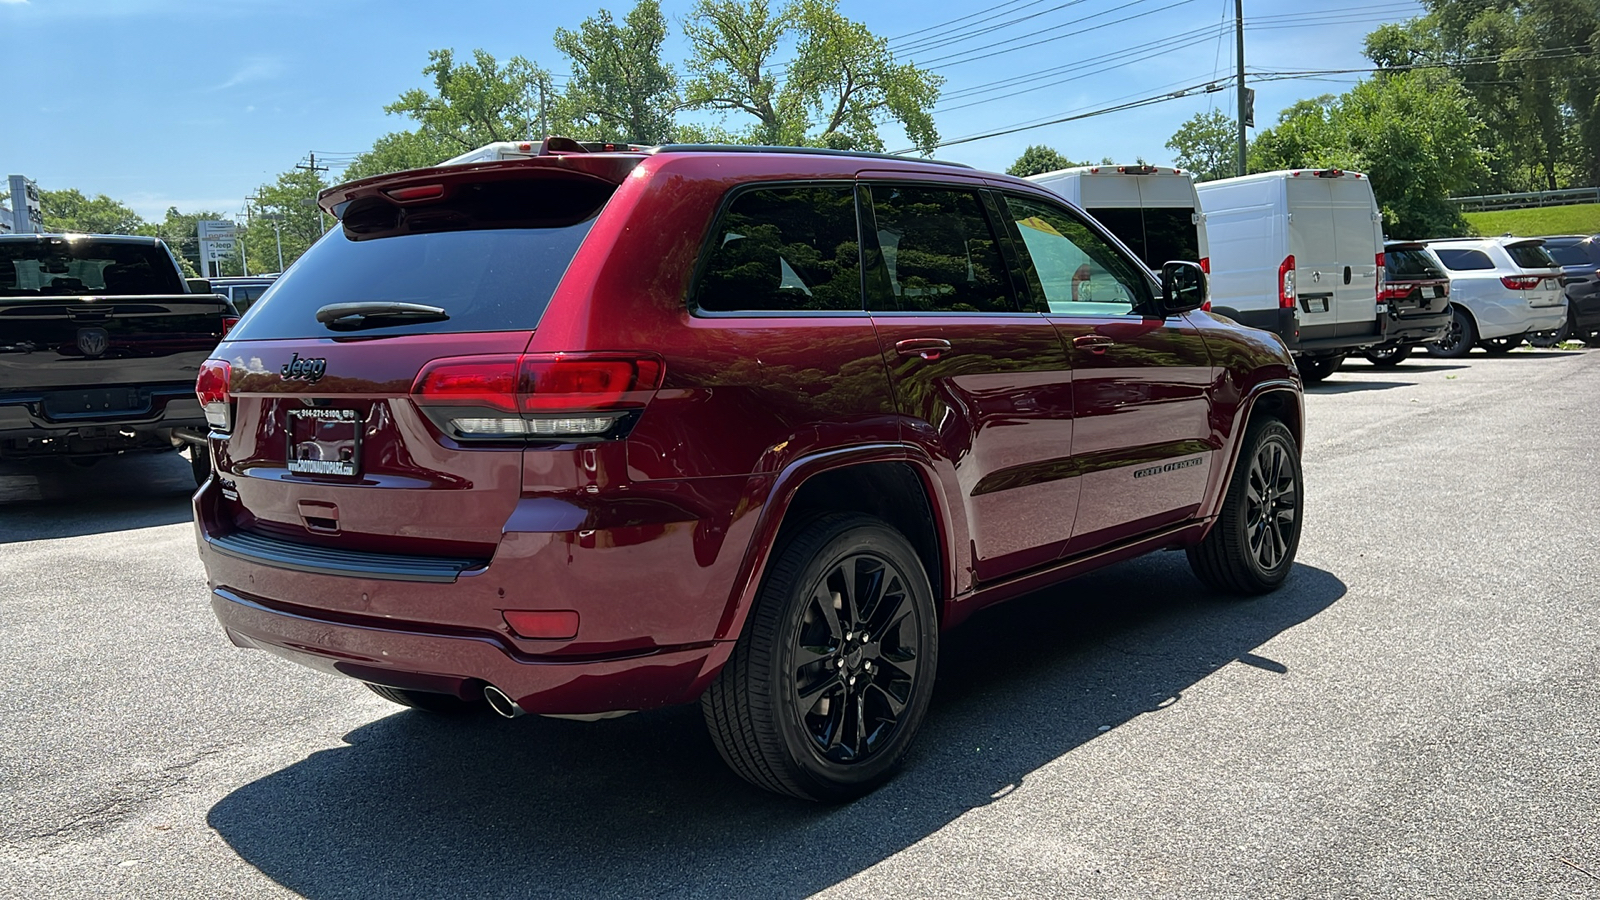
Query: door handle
x,y
927,348
1094,343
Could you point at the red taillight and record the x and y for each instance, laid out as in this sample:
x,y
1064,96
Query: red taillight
x,y
1286,296
1521,282
543,624
1398,290
1205,264
1378,285
227,324
211,386
555,395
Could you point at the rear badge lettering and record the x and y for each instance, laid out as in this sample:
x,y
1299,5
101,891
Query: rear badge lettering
x,y
1169,467
307,370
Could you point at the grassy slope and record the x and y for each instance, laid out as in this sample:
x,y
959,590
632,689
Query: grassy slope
x,y
1580,219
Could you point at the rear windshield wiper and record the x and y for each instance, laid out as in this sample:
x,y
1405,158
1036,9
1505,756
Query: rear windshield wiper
x,y
351,316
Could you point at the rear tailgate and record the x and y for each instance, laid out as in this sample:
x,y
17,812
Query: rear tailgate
x,y
327,444
1534,261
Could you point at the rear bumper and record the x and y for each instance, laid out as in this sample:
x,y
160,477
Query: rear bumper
x,y
29,427
1419,328
1322,339
461,663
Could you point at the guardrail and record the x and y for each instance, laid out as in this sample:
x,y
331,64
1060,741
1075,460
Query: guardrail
x,y
1565,197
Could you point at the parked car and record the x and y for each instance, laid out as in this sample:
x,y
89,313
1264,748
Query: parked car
x,y
588,433
1501,288
1414,305
242,290
1298,253
1579,258
99,347
1153,210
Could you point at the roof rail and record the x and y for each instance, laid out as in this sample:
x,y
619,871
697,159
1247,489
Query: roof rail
x,y
803,151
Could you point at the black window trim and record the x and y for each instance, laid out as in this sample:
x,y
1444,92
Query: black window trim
x,y
1002,238
1147,309
706,251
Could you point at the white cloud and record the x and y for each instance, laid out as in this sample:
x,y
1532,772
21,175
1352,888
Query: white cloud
x,y
261,68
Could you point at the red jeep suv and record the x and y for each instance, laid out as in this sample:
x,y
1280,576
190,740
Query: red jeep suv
x,y
593,432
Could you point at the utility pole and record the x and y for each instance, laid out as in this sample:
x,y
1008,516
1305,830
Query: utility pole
x,y
314,168
1238,36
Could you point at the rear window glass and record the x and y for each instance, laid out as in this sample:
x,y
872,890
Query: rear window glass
x,y
1531,256
485,280
1583,253
1464,260
78,267
1409,263
1157,235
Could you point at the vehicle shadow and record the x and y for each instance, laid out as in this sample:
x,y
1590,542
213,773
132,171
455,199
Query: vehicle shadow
x,y
1417,365
54,498
417,806
1350,387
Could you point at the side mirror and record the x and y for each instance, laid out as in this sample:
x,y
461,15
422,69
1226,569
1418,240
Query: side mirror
x,y
198,285
1183,287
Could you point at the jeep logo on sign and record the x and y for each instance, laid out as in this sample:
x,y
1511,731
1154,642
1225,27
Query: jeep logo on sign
x,y
308,370
93,341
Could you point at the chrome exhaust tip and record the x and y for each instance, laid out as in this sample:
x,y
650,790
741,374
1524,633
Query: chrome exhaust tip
x,y
500,703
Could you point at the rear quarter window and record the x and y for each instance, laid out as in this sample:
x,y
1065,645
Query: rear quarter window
x,y
1572,254
1464,260
1531,256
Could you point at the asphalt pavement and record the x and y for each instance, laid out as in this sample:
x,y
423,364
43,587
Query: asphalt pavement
x,y
1416,714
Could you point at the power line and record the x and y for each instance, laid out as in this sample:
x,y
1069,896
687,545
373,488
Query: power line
x,y
1074,34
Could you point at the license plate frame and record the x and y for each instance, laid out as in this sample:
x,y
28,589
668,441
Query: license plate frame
x,y
324,441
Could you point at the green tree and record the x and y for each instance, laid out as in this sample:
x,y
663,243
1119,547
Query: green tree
x,y
398,151
69,210
620,89
841,83
1038,159
289,203
1207,145
181,232
1306,136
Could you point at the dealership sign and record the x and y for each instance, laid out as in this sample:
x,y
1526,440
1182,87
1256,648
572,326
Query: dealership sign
x,y
27,216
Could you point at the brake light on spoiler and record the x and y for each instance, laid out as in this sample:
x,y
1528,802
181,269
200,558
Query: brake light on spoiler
x,y
537,396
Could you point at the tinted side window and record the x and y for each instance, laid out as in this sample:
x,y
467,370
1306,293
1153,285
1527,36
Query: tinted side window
x,y
244,295
1157,234
1531,256
1463,260
1078,271
1568,254
938,252
1127,225
785,249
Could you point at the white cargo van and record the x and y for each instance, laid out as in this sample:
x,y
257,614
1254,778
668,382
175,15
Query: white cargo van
x,y
1153,210
1298,252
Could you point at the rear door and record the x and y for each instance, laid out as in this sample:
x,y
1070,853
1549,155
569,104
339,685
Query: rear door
x,y
1358,241
978,380
329,444
1313,242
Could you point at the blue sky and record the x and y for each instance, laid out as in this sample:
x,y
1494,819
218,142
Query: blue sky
x,y
193,104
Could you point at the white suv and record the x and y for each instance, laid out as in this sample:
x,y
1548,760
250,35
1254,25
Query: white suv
x,y
1501,288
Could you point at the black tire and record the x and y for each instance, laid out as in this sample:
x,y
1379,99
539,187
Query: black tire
x,y
427,701
1315,368
1552,338
1458,337
1500,346
807,704
200,463
1389,357
1251,548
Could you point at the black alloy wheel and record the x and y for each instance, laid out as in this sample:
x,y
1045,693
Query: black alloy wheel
x,y
834,672
1315,368
1553,338
1389,357
1500,346
1251,548
1458,337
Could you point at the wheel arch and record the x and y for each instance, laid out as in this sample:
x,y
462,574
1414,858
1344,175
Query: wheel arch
x,y
892,482
1279,399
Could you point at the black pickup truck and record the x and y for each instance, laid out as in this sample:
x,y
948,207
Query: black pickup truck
x,y
100,341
